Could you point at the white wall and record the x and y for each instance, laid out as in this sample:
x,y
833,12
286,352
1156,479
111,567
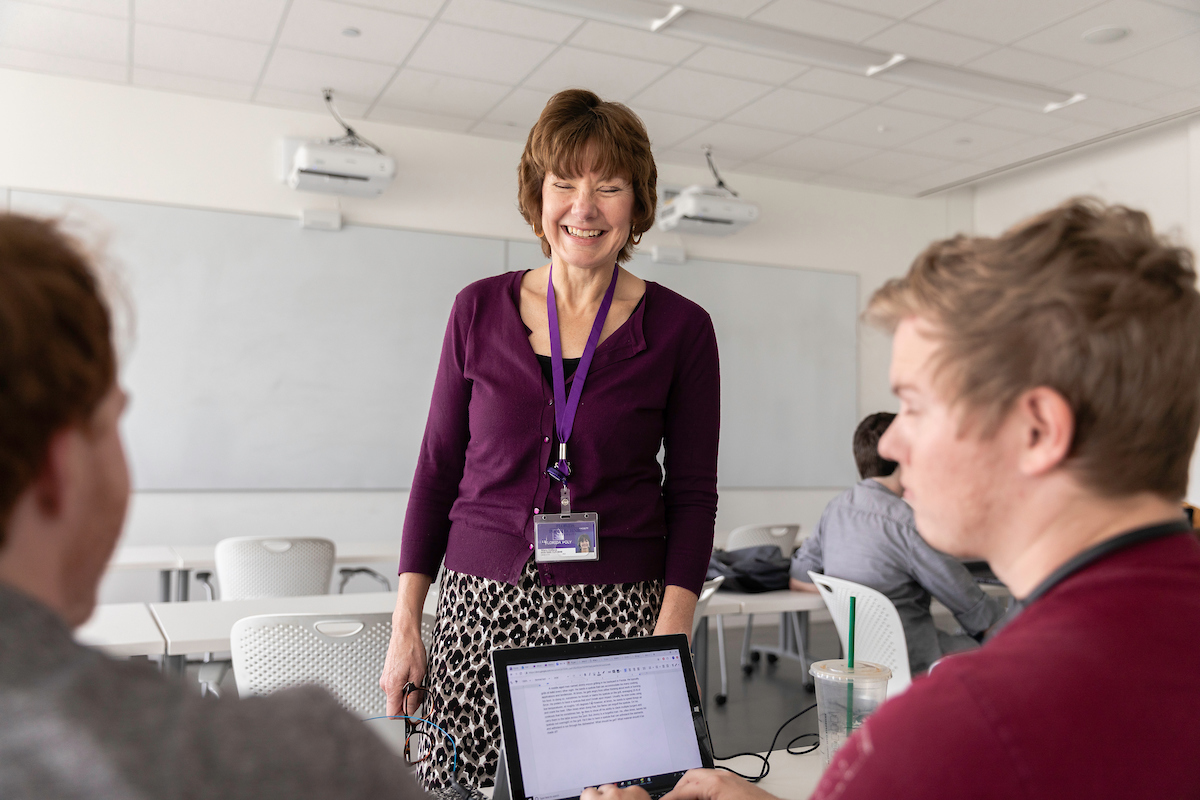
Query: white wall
x,y
120,142
1157,171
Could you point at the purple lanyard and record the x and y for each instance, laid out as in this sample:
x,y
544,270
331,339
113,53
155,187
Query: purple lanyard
x,y
564,407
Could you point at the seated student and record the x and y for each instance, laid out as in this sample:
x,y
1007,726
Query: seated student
x,y
74,723
867,535
1049,406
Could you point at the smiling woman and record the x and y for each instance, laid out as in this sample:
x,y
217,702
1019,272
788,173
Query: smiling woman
x,y
495,482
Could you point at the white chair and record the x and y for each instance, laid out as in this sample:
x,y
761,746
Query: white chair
x,y
878,632
784,537
249,567
343,654
706,592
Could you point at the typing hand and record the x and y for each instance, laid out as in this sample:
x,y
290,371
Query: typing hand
x,y
610,792
713,784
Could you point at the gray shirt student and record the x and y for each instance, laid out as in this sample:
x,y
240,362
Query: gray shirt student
x,y
867,535
77,724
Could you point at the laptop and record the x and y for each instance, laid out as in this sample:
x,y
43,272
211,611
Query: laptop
x,y
624,711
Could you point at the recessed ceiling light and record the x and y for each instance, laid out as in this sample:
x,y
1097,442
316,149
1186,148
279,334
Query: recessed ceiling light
x,y
883,128
1105,34
352,32
963,140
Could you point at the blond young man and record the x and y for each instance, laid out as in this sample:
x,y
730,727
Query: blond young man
x,y
1049,404
73,723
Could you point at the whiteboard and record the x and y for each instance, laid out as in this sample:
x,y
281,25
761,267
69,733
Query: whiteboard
x,y
269,357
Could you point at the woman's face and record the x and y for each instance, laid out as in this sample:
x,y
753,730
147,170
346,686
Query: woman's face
x,y
586,219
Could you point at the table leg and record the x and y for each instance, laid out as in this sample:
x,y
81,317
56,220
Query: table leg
x,y
164,586
183,578
175,665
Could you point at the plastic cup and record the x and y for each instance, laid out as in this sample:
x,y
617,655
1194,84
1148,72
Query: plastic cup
x,y
845,697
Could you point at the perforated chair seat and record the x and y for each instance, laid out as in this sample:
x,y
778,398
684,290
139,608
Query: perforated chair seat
x,y
342,653
250,567
878,632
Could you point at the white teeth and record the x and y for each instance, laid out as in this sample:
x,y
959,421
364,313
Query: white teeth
x,y
582,233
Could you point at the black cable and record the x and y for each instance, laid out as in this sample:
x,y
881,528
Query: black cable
x,y
712,166
351,137
766,763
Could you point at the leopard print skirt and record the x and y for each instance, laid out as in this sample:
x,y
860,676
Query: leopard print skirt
x,y
475,615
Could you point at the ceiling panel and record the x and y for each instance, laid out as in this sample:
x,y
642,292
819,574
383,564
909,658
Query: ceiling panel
x,y
53,64
845,85
483,55
1029,67
1016,119
736,142
42,29
622,41
997,21
311,101
897,9
612,77
520,107
318,25
693,157
1175,102
937,104
420,8
964,141
777,172
819,155
1175,63
1149,24
442,94
667,129
893,167
736,64
857,184
700,94
107,8
421,119
1115,86
942,177
823,19
884,127
199,54
1081,132
309,73
794,111
494,15
1107,113
256,20
190,84
501,130
919,41
1029,148
733,8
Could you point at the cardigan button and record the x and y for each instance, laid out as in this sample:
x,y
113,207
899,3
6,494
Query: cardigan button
x,y
545,438
530,547
536,511
550,402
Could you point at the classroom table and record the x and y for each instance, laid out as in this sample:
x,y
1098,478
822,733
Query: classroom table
x,y
159,557
123,630
720,604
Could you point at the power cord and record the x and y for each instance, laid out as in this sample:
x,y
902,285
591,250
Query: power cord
x,y
766,764
453,744
712,166
351,137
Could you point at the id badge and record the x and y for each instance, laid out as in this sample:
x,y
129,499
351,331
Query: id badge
x,y
566,537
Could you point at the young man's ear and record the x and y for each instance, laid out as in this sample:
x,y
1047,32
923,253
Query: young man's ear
x,y
50,484
1047,427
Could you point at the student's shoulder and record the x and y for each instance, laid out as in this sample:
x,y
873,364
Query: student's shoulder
x,y
870,498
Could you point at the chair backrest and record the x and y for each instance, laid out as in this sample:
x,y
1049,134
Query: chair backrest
x,y
878,632
342,653
273,566
706,593
784,536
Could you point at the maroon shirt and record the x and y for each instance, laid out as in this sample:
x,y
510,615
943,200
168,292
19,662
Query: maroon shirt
x,y
1093,691
480,475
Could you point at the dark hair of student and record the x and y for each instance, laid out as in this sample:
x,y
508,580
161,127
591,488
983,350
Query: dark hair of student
x,y
866,446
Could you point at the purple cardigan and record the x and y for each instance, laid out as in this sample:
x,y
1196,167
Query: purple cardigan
x,y
480,475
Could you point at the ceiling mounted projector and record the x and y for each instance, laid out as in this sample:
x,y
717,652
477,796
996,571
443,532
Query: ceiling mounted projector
x,y
348,164
708,210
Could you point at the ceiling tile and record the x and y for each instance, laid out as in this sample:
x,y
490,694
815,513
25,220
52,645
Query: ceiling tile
x,y
733,8
1176,63
1187,5
894,167
1014,154
777,172
420,8
897,9
937,104
190,84
1106,113
1175,102
942,177
500,130
257,20
317,25
1015,119
964,141
521,107
442,94
107,8
823,19
918,41
63,65
42,29
611,77
1149,24
699,94
1115,86
694,158
518,20
309,73
421,119
731,143
1020,65
623,41
349,107
856,183
736,64
667,129
199,54
878,126
998,21
795,112
483,55
845,85
818,155
1080,132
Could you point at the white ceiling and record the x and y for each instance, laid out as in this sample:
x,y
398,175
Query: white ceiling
x,y
486,67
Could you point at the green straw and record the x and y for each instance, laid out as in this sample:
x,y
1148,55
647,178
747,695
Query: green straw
x,y
850,666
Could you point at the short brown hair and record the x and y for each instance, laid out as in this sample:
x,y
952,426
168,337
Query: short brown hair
x,y
576,124
57,360
866,446
1084,299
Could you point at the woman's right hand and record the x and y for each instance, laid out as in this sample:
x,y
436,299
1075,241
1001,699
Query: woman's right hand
x,y
407,661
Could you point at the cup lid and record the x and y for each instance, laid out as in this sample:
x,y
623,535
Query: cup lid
x,y
835,669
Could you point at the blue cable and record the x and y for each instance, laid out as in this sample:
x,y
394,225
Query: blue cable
x,y
453,744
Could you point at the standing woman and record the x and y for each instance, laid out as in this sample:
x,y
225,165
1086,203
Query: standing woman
x,y
556,389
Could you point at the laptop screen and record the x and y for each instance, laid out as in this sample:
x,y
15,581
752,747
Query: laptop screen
x,y
624,718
